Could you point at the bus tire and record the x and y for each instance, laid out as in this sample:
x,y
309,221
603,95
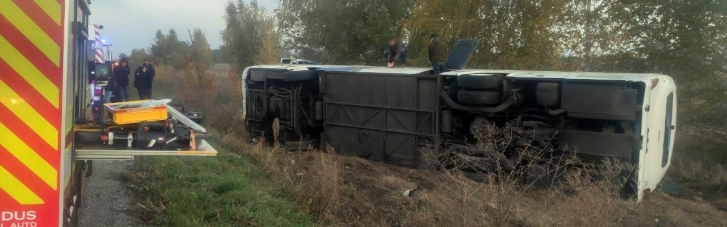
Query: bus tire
x,y
300,75
484,98
492,82
89,168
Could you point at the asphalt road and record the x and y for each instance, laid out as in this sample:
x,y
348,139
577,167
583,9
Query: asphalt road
x,y
106,200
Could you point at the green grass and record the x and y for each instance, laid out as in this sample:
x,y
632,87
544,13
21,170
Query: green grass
x,y
701,148
227,190
718,153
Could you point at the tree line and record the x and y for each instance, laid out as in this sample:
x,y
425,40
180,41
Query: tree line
x,y
193,54
685,39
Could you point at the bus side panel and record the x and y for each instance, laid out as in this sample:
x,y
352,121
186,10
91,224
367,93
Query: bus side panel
x,y
381,117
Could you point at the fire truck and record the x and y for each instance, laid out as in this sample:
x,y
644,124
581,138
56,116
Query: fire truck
x,y
47,139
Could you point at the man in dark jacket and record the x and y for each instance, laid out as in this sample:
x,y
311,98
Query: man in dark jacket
x,y
437,55
143,79
396,53
121,72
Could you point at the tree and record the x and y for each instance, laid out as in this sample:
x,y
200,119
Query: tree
x,y
168,49
593,35
244,33
200,54
513,34
683,38
270,50
353,31
159,48
136,57
218,56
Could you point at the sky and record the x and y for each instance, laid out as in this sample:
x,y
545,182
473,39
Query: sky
x,y
130,24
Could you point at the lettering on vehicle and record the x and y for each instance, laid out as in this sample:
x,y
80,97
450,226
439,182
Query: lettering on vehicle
x,y
18,219
141,109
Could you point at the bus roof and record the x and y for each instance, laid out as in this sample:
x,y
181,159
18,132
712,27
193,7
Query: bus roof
x,y
484,72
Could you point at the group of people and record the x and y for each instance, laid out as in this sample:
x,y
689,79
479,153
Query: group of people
x,y
143,79
396,54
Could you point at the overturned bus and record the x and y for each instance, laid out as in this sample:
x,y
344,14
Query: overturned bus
x,y
391,115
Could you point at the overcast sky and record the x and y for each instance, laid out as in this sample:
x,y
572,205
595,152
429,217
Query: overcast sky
x,y
130,24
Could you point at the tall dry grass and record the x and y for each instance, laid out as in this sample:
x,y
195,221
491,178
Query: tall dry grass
x,y
523,189
348,191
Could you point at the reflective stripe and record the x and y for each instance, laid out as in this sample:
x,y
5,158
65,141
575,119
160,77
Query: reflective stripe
x,y
28,115
28,157
52,8
29,72
17,189
30,30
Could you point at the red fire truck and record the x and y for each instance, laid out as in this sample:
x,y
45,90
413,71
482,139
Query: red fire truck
x,y
47,142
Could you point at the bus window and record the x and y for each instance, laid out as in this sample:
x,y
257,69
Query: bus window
x,y
667,129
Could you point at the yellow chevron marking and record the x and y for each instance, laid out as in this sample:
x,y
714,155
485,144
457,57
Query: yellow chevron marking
x,y
35,34
17,189
28,71
52,8
28,157
28,115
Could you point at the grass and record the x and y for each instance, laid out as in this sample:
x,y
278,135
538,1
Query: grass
x,y
718,152
227,190
699,167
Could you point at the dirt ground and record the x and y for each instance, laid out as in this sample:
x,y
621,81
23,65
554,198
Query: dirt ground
x,y
107,201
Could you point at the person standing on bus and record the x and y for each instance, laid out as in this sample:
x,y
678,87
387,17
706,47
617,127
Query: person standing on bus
x,y
121,73
396,53
437,55
143,79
